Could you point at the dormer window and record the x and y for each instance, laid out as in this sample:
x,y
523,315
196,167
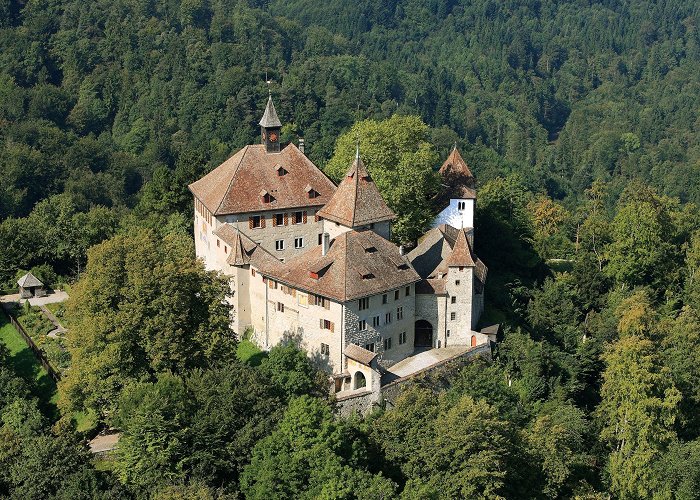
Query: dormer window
x,y
371,249
281,171
311,192
266,197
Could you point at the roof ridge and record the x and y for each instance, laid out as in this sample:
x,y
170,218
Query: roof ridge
x,y
233,176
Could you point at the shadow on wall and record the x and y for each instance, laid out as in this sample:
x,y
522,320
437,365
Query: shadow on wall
x,y
296,337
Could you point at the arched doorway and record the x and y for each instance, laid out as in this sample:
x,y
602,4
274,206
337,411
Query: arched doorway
x,y
424,334
360,380
473,340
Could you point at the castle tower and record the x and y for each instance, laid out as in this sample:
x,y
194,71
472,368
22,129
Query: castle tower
x,y
270,128
357,204
459,196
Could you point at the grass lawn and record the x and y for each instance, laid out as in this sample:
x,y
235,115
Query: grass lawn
x,y
249,353
28,367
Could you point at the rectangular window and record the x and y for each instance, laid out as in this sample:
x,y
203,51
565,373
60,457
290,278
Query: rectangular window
x,y
456,282
375,321
370,347
255,222
453,316
252,271
408,291
321,301
387,318
384,299
303,299
272,284
297,217
387,343
298,242
402,338
280,307
225,249
448,333
399,313
279,245
218,243
453,299
363,304
362,325
327,325
325,349
396,295
320,239
278,219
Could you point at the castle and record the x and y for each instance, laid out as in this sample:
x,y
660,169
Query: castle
x,y
313,261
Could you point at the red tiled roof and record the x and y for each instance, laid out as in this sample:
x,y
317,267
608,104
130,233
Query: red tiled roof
x,y
357,201
461,252
457,177
235,186
348,271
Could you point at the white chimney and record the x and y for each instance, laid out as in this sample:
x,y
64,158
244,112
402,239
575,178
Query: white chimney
x,y
402,250
301,144
326,243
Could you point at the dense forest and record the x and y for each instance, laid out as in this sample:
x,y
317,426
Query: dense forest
x,y
581,122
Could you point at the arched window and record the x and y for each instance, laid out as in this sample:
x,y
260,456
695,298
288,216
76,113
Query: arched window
x,y
473,340
360,380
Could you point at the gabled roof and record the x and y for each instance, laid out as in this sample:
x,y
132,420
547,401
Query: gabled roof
x,y
357,264
441,248
357,201
457,178
29,280
270,118
360,354
234,186
244,250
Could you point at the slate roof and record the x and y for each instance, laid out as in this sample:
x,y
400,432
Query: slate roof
x,y
270,118
457,178
244,250
440,248
357,264
28,281
359,354
234,186
357,201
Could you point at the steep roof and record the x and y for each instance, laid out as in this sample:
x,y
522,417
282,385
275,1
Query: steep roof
x,y
441,248
235,186
457,178
270,118
357,264
357,201
243,249
461,252
29,280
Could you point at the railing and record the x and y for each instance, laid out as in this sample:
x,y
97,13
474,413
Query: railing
x,y
38,352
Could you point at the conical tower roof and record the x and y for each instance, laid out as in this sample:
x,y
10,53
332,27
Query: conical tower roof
x,y
461,253
457,176
357,201
270,118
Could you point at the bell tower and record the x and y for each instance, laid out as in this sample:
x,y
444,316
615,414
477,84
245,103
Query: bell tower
x,y
270,128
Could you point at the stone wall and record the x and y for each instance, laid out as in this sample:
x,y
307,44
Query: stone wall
x,y
436,377
392,330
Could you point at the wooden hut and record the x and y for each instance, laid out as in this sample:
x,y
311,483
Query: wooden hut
x,y
30,286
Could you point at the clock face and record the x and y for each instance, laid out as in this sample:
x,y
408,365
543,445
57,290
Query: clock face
x,y
273,137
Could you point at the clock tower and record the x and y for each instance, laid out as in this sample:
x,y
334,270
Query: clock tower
x,y
270,128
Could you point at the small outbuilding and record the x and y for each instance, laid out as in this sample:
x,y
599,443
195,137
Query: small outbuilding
x,y
30,286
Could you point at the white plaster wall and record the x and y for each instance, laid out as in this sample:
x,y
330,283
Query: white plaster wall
x,y
457,218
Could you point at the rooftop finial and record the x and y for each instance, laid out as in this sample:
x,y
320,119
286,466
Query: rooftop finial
x,y
357,149
269,85
455,146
